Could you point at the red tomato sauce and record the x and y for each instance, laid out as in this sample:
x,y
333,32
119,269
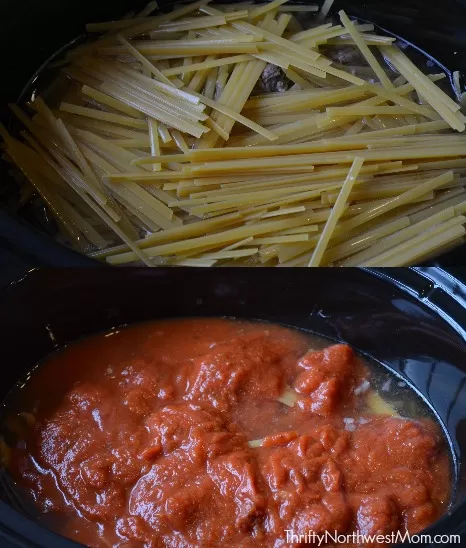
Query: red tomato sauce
x,y
141,439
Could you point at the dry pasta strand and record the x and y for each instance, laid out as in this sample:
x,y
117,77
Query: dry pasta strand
x,y
164,150
336,211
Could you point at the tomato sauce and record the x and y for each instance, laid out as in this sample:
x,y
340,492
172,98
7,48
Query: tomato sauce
x,y
177,434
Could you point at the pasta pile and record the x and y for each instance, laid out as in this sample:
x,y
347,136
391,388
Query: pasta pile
x,y
164,151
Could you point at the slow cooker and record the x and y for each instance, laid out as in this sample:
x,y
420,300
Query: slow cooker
x,y
34,34
411,321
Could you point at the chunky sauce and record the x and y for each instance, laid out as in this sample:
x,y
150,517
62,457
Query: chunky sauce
x,y
141,436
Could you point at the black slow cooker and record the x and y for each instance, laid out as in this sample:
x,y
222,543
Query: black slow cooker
x,y
32,32
410,320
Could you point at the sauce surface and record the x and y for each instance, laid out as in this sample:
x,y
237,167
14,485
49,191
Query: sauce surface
x,y
209,432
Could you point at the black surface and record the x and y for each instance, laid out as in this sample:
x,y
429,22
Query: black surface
x,y
412,321
21,247
31,31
